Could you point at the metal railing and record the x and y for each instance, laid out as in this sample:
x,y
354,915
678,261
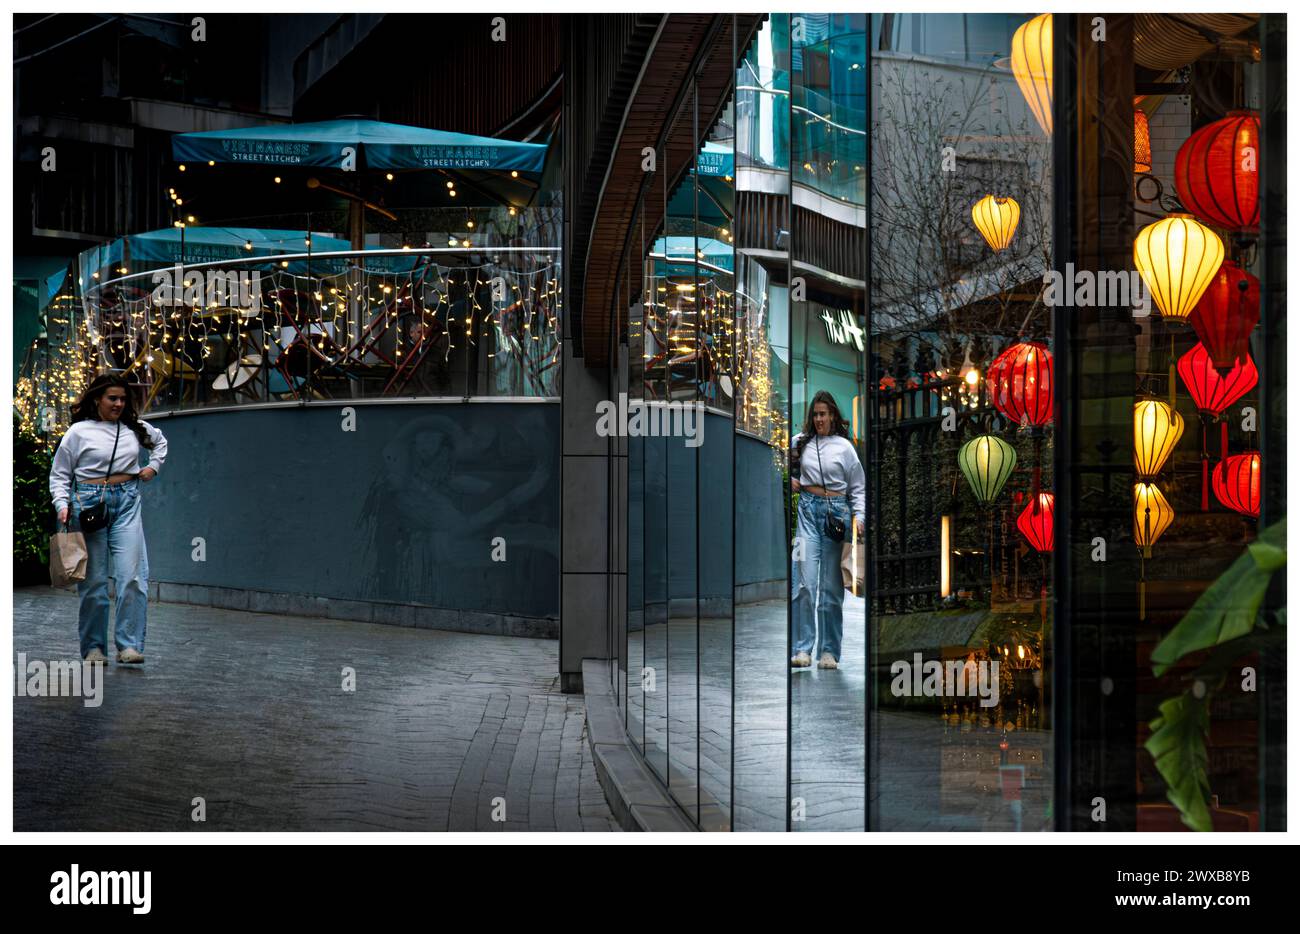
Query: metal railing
x,y
447,321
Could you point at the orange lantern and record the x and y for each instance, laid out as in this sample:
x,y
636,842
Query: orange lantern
x,y
1141,139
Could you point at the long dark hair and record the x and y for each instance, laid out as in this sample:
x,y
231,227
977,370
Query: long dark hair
x,y
838,425
87,407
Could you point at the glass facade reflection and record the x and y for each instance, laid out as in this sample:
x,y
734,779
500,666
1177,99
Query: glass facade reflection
x,y
876,209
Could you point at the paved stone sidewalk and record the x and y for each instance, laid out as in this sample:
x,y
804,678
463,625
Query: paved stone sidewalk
x,y
248,712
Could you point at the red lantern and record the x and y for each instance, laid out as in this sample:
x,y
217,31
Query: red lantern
x,y
1217,172
1020,383
1212,391
1236,483
1037,522
1226,314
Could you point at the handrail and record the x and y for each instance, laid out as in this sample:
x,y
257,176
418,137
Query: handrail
x,y
327,254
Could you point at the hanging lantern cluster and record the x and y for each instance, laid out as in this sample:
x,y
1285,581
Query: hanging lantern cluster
x,y
1031,63
1185,265
1213,392
1216,172
1020,387
996,219
1157,426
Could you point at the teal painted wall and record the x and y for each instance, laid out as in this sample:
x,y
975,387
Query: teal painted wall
x,y
402,510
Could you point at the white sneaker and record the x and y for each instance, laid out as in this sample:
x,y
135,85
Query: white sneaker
x,y
828,661
95,657
801,660
129,657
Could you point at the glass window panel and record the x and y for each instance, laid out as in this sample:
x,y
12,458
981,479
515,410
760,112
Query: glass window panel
x,y
762,367
959,587
827,325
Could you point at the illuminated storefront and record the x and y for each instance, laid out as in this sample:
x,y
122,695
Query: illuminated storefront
x,y
1069,420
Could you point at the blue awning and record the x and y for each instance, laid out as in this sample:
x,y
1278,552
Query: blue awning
x,y
677,256
157,249
715,160
330,144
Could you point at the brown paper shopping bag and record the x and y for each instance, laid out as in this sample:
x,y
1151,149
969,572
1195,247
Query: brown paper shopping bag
x,y
67,558
853,564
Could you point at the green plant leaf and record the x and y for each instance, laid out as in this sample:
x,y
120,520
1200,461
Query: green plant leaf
x,y
1229,607
1224,657
1269,557
1177,744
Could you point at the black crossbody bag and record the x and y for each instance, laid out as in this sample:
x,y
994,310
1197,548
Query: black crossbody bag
x,y
96,517
834,524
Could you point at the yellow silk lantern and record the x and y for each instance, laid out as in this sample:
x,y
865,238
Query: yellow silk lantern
x,y
1151,515
996,219
1177,258
1031,63
1156,430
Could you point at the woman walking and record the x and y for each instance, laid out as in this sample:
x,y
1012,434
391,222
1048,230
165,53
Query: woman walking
x,y
828,476
98,462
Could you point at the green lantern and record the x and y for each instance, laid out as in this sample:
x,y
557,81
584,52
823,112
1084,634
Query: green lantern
x,y
987,462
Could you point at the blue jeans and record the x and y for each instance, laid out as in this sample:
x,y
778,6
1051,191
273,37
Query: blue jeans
x,y
123,540
816,579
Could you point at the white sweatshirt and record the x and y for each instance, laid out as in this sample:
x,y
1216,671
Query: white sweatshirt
x,y
844,473
86,448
